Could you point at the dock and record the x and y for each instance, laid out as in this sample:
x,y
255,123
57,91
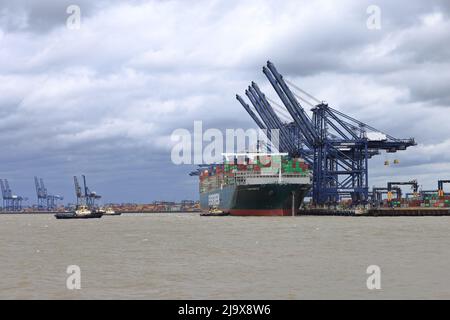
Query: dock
x,y
326,212
377,212
408,212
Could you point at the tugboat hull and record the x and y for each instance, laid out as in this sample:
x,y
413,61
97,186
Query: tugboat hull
x,y
112,214
73,215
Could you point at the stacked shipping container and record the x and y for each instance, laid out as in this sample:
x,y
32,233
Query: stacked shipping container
x,y
224,174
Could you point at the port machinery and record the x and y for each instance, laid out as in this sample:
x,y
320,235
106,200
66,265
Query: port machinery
x,y
441,187
377,194
394,186
420,193
85,197
336,145
11,202
45,200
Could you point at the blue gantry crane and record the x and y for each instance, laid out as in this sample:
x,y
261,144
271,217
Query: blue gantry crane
x,y
91,196
11,202
85,197
46,201
335,145
81,200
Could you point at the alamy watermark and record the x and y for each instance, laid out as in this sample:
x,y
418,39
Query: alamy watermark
x,y
210,146
374,280
73,281
374,20
73,21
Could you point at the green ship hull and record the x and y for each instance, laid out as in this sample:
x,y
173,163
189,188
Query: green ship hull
x,y
256,200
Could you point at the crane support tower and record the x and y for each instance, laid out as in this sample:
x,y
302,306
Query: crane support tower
x,y
45,201
336,145
85,197
441,187
11,202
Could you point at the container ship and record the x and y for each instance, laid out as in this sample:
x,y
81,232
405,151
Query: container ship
x,y
269,186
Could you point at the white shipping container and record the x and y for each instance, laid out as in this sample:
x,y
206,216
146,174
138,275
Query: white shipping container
x,y
376,136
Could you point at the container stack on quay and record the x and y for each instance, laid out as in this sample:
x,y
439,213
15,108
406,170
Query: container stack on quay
x,y
420,200
436,201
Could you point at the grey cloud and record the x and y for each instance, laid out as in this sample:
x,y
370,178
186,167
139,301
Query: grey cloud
x,y
44,15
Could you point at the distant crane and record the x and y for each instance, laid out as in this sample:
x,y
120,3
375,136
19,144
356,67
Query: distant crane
x,y
413,183
85,196
46,201
11,202
441,187
377,194
80,197
91,196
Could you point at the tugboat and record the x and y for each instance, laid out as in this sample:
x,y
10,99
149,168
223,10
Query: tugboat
x,y
86,207
86,204
81,212
214,212
110,212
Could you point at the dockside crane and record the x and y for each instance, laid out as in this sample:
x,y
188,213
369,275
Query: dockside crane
x,y
46,201
81,200
52,201
11,202
335,145
377,194
41,194
441,187
413,183
5,196
90,196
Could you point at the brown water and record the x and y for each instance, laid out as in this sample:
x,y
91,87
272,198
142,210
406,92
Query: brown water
x,y
184,256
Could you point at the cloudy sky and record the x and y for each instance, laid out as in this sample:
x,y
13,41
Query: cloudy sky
x,y
104,99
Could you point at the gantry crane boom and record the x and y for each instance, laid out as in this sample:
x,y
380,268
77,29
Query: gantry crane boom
x,y
309,139
335,144
269,121
292,105
285,142
251,113
78,193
